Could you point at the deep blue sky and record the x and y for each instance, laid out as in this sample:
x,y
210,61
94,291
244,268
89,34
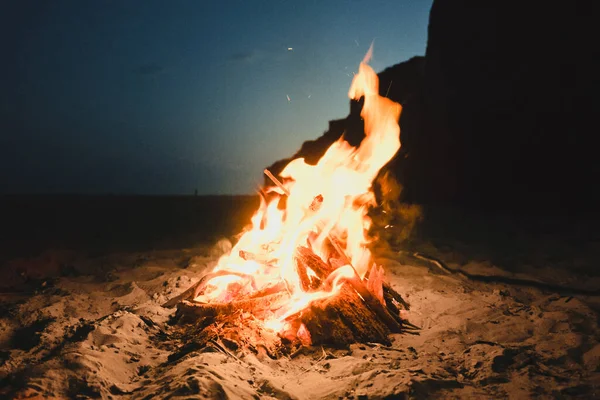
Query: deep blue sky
x,y
162,97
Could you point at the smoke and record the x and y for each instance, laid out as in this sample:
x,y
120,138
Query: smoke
x,y
394,221
221,248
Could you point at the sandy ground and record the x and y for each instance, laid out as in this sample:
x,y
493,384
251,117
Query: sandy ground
x,y
97,330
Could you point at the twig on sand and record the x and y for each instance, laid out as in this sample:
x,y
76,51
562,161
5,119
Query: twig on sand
x,y
556,288
222,348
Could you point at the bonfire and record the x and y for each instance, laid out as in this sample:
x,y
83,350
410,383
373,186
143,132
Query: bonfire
x,y
302,273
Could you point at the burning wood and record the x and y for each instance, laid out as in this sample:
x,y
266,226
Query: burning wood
x,y
354,314
344,319
256,305
309,260
306,272
305,281
199,286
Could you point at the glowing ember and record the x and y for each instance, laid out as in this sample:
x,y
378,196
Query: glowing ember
x,y
325,210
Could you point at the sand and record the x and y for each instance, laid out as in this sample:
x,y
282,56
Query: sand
x,y
97,330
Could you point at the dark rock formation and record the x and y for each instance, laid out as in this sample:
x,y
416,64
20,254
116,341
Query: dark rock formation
x,y
509,89
499,113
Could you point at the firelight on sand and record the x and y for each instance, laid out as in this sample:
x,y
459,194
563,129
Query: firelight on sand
x,y
323,207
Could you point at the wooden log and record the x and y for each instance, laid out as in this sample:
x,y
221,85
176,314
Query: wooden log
x,y
390,294
189,311
336,263
207,278
302,274
393,322
313,261
338,250
276,288
343,319
193,291
316,203
308,282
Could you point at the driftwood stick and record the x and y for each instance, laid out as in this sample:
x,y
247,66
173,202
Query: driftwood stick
x,y
276,288
276,181
193,291
190,310
204,282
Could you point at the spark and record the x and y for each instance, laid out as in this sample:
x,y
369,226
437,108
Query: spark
x,y
388,89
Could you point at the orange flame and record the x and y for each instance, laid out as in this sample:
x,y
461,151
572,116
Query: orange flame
x,y
327,200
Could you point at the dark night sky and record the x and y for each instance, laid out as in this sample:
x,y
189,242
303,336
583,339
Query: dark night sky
x,y
161,97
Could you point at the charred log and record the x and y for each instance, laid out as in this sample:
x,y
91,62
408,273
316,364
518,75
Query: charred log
x,y
199,286
344,319
306,257
305,282
188,311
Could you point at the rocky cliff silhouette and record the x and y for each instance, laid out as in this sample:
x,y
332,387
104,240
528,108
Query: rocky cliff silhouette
x,y
499,114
